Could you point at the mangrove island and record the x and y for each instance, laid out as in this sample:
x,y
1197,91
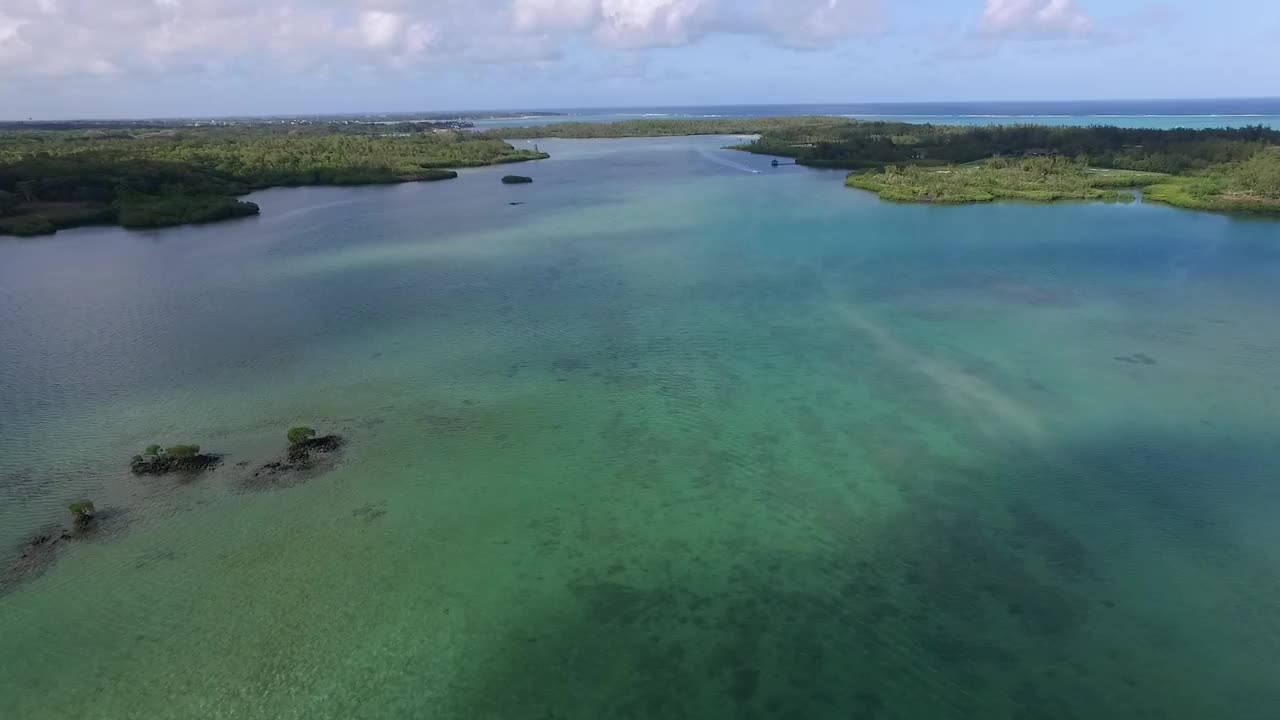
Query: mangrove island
x,y
156,177
157,460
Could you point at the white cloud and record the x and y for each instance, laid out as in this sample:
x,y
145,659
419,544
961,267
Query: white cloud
x,y
84,37
619,23
656,23
41,38
555,15
379,28
817,23
9,27
649,23
1034,19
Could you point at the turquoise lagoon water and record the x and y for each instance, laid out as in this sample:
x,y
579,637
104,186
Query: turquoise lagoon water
x,y
672,439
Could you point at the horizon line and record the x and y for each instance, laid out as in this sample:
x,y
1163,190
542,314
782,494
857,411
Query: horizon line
x,y
471,113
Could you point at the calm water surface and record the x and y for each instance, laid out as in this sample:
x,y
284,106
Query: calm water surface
x,y
672,439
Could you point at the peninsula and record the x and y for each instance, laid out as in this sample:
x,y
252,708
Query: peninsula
x,y
1220,169
142,178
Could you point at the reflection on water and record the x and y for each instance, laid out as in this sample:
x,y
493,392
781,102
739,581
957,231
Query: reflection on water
x,y
669,440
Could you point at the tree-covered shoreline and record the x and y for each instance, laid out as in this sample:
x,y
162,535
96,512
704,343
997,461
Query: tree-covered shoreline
x,y
1221,169
58,179
155,177
1036,179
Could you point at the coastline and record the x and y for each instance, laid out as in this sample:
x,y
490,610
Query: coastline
x,y
51,180
807,140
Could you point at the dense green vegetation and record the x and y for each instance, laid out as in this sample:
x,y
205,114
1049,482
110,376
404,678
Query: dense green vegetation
x,y
156,460
82,511
158,176
854,145
299,435
1216,169
153,178
1251,186
184,451
668,127
303,445
1037,179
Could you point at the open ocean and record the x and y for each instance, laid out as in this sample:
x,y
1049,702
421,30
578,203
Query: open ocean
x,y
1124,113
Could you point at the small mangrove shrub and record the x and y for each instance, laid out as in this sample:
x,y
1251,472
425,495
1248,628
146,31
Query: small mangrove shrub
x,y
183,451
83,511
300,435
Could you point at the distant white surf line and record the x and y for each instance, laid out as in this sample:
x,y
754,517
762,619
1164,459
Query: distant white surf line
x,y
727,162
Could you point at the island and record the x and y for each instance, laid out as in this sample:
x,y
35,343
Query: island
x,y
301,459
156,460
155,177
1218,169
304,443
42,550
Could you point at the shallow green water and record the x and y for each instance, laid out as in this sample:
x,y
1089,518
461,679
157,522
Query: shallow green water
x,y
670,440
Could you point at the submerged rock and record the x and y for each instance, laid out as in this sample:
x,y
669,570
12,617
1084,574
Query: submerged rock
x,y
35,557
43,542
157,460
1136,359
516,180
301,452
307,457
164,463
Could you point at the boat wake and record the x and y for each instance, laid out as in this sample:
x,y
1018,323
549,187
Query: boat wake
x,y
717,159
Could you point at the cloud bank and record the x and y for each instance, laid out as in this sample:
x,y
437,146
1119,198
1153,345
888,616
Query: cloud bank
x,y
41,38
86,38
1034,19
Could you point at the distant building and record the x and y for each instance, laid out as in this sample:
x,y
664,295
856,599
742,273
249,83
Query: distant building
x,y
1040,152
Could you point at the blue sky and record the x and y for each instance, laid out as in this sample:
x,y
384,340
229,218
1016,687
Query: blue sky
x,y
130,58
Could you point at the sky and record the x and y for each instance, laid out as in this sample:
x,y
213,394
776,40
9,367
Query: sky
x,y
183,58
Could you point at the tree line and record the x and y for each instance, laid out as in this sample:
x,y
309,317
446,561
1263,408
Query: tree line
x,y
1213,169
53,179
